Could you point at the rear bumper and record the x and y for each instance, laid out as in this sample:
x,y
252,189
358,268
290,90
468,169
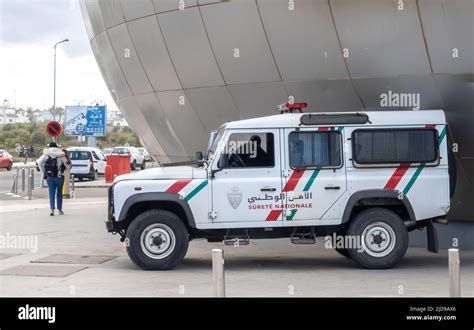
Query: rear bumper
x,y
80,172
83,175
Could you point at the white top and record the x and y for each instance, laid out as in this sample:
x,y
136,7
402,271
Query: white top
x,y
376,118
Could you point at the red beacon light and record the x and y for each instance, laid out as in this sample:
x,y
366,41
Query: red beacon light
x,y
291,107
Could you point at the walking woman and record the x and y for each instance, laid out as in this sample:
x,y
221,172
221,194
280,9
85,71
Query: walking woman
x,y
53,163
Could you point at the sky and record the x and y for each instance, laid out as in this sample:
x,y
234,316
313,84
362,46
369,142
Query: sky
x,y
28,31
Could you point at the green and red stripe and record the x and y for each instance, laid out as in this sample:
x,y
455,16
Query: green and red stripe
x,y
403,168
295,179
179,185
397,176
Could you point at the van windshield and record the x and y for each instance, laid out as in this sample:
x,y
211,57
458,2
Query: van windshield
x,y
79,155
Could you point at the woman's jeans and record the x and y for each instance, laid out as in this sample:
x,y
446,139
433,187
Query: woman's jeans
x,y
55,187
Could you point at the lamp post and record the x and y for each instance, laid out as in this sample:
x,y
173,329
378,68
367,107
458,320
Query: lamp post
x,y
54,93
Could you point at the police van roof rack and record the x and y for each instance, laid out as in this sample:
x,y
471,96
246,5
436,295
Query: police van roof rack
x,y
334,119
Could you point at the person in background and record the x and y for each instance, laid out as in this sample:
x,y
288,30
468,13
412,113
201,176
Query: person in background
x,y
53,163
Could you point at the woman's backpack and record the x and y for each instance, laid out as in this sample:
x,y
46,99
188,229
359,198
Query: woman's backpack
x,y
51,167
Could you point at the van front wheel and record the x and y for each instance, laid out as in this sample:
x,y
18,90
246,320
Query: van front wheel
x,y
157,240
382,238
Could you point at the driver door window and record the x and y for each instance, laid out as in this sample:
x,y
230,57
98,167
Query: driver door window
x,y
244,150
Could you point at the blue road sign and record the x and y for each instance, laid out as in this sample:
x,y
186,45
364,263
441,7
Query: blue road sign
x,y
85,121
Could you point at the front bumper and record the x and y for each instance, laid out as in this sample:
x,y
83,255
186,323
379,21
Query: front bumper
x,y
110,223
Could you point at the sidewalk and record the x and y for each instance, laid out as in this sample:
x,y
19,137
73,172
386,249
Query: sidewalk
x,y
75,241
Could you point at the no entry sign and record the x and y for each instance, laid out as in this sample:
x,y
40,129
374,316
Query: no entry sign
x,y
54,128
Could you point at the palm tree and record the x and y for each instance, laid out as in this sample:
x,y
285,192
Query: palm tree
x,y
31,115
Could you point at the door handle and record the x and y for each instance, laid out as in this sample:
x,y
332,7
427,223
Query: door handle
x,y
332,187
268,189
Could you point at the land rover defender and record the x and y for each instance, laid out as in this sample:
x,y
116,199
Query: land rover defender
x,y
374,176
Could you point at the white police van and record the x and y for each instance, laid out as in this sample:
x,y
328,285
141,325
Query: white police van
x,y
372,176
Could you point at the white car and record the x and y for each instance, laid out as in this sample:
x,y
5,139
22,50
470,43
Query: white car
x,y
361,180
107,151
145,154
136,159
87,162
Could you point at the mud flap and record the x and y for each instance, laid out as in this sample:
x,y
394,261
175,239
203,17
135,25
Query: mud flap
x,y
432,237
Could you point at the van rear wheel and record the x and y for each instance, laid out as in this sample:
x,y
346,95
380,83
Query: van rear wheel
x,y
382,236
157,240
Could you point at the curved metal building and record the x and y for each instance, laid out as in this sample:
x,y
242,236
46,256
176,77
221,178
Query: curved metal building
x,y
178,69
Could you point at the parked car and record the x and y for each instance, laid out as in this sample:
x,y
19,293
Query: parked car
x,y
368,178
107,151
87,162
136,159
6,160
145,154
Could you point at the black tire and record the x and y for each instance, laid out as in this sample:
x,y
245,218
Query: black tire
x,y
81,178
9,167
94,175
134,165
143,165
383,227
162,220
343,252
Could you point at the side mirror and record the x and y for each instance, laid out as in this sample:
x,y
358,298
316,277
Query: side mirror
x,y
223,161
221,164
199,156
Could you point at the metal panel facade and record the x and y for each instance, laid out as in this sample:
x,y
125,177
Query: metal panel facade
x,y
337,55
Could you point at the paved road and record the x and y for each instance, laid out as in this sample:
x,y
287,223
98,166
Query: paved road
x,y
264,268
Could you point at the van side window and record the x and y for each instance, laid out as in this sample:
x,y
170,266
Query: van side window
x,y
315,149
250,150
95,155
394,146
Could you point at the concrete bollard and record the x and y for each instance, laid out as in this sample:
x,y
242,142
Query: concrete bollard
x,y
218,272
454,275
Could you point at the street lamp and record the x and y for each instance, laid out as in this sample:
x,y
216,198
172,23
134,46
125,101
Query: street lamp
x,y
54,93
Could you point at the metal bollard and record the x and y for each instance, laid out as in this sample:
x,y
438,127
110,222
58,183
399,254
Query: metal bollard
x,y
218,272
23,179
33,175
454,276
30,186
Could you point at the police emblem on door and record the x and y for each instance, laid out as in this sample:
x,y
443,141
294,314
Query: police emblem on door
x,y
234,196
